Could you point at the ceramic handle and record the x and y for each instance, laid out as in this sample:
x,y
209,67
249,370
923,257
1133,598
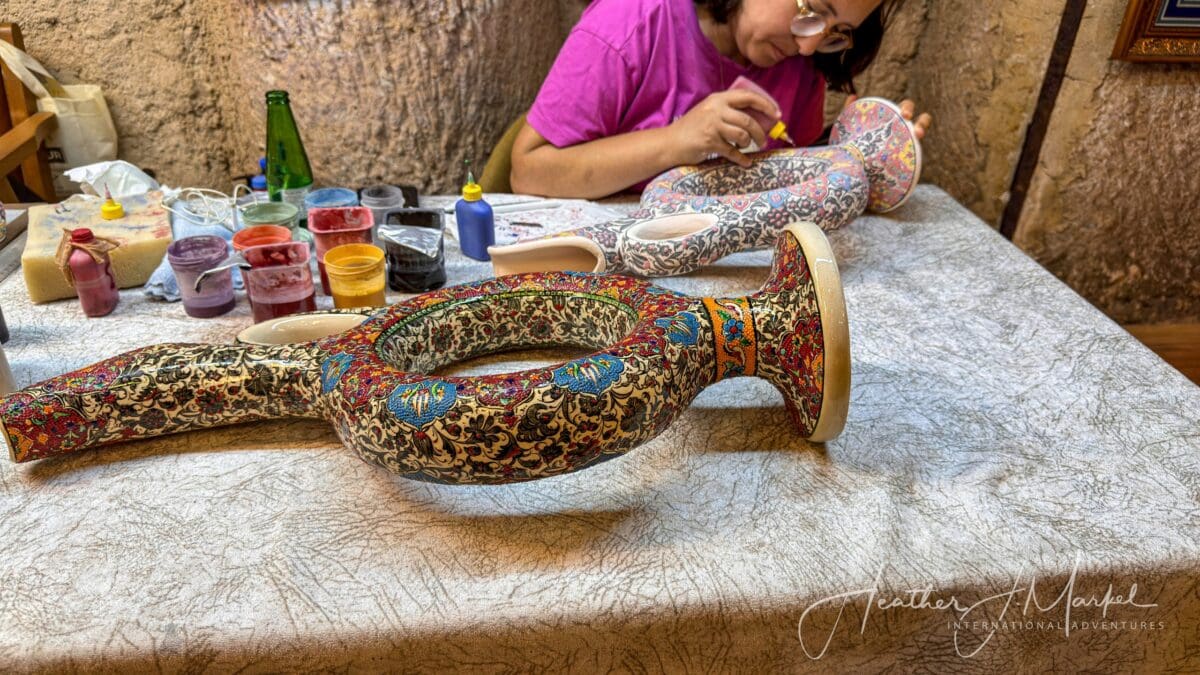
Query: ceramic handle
x,y
159,390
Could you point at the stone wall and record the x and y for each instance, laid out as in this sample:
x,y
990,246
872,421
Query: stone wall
x,y
372,81
1111,209
1114,208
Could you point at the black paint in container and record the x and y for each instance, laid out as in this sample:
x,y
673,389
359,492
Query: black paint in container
x,y
415,247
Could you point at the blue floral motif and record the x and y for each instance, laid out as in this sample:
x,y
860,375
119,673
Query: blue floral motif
x,y
734,329
420,403
683,328
840,180
332,370
591,375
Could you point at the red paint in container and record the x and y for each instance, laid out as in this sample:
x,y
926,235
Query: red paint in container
x,y
94,281
334,227
279,281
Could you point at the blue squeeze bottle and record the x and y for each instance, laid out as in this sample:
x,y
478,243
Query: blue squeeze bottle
x,y
476,223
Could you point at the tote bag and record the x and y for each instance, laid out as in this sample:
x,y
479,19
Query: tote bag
x,y
85,133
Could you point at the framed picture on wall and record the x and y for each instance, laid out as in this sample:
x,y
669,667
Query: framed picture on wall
x,y
1160,30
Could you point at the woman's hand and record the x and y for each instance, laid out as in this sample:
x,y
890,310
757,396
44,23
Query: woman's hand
x,y
719,125
908,108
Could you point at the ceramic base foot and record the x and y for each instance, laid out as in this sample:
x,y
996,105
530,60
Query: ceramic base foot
x,y
889,147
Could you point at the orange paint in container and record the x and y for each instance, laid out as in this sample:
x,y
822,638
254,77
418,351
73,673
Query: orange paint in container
x,y
357,275
260,235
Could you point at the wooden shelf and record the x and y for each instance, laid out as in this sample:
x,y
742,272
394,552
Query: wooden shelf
x,y
1177,343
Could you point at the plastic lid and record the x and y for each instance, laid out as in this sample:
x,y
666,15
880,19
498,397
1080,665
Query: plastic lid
x,y
111,210
258,183
472,192
262,164
331,198
82,235
779,131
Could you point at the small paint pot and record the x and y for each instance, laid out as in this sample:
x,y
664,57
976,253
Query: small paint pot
x,y
381,199
277,213
271,213
356,275
334,227
189,257
416,252
331,198
279,281
260,235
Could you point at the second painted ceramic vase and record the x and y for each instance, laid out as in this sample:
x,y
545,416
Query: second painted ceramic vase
x,y
695,215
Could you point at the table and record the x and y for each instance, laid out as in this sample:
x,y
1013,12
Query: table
x,y
1000,430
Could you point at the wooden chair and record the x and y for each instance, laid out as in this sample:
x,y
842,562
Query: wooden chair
x,y
499,163
23,131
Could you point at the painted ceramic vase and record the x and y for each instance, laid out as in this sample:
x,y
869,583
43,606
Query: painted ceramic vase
x,y
377,383
695,215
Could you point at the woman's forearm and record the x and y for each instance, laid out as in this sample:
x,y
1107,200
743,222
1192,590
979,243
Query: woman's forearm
x,y
594,169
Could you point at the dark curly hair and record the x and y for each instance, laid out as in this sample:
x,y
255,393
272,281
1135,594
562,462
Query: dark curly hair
x,y
839,68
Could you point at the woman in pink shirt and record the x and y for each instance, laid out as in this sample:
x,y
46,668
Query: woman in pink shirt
x,y
640,86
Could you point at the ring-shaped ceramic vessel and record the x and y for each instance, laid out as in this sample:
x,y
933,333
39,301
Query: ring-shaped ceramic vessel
x,y
378,384
694,215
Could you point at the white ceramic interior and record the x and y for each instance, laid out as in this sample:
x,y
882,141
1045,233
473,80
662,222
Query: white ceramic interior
x,y
554,254
299,328
671,227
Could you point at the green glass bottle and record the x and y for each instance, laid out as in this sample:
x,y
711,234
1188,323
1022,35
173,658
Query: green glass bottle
x,y
289,176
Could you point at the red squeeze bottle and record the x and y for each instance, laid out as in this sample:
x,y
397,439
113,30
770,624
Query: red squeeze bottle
x,y
94,281
772,127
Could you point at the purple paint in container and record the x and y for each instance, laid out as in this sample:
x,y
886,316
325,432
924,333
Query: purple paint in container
x,y
188,258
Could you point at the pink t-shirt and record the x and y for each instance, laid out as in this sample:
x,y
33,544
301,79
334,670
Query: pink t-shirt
x,y
641,64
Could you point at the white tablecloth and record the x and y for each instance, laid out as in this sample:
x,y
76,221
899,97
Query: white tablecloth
x,y
1001,431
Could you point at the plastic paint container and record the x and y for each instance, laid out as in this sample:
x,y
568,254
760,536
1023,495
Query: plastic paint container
x,y
271,213
356,275
260,235
334,227
279,281
416,252
331,198
773,128
381,199
276,213
188,258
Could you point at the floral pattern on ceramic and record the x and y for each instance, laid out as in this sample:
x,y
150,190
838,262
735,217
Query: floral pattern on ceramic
x,y
875,129
873,163
378,384
733,327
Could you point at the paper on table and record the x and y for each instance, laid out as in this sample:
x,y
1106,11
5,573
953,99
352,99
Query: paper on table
x,y
569,214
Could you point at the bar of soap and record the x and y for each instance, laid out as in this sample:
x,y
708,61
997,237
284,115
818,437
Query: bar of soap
x,y
144,234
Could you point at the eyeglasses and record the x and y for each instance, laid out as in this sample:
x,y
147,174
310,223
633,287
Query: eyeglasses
x,y
808,23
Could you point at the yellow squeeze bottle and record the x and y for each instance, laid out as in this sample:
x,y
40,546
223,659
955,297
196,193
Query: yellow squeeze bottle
x,y
772,127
